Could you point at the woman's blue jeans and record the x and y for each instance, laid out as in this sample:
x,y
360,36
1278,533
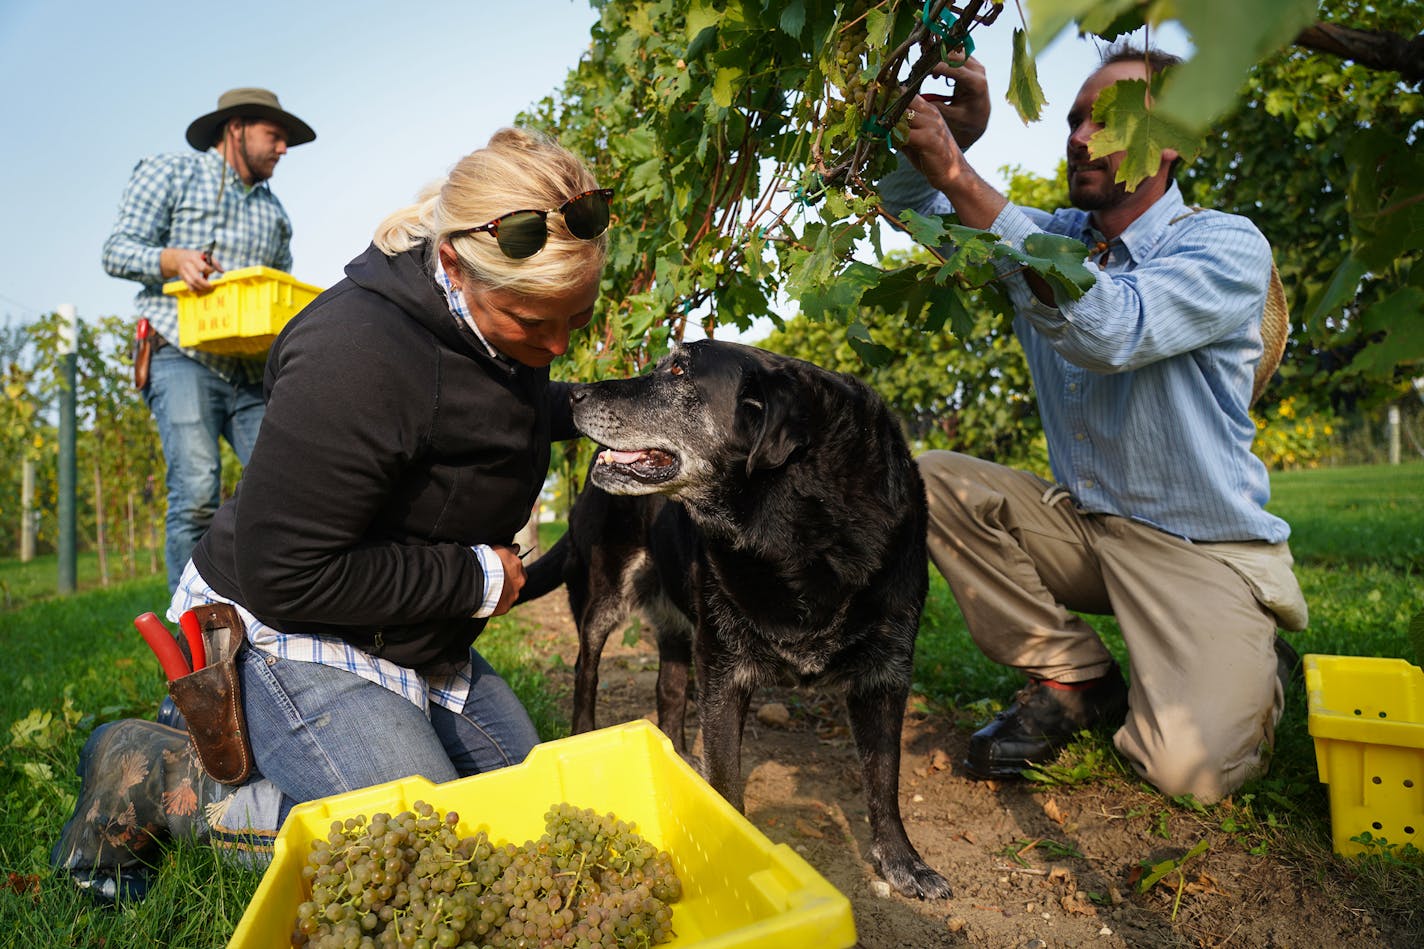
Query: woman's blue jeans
x,y
317,730
194,407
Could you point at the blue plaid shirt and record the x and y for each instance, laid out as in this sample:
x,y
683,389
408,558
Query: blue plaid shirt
x,y
172,201
1144,382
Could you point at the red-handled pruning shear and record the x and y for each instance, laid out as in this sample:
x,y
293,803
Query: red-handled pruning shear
x,y
165,647
193,632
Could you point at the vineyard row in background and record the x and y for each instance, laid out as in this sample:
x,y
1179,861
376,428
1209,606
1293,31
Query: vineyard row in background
x,y
121,491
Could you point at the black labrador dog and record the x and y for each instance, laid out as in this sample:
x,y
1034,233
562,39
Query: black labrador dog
x,y
766,517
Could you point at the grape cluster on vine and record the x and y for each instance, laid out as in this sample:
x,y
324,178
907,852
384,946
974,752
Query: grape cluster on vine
x,y
410,881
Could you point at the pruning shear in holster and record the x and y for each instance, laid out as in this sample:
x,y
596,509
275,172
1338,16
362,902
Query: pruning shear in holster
x,y
208,693
143,352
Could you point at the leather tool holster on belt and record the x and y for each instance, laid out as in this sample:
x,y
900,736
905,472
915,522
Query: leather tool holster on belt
x,y
211,698
144,345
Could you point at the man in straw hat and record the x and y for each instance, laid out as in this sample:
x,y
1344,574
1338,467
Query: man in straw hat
x,y
187,216
1157,514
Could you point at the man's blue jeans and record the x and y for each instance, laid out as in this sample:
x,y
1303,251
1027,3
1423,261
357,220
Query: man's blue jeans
x,y
317,730
194,407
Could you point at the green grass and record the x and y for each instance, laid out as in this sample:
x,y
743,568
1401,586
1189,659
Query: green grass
x,y
79,661
22,583
1358,540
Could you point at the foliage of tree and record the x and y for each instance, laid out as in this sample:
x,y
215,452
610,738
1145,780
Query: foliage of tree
x,y
745,139
1323,156
22,431
119,461
971,395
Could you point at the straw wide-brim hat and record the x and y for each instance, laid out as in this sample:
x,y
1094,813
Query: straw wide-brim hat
x,y
1275,327
248,102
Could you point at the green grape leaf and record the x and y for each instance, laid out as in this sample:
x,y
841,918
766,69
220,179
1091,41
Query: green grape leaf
x,y
1057,259
870,352
725,83
1140,130
930,230
1342,289
1396,318
971,245
947,306
1386,198
701,15
877,28
894,288
793,18
1024,92
840,295
1048,18
1112,18
1240,34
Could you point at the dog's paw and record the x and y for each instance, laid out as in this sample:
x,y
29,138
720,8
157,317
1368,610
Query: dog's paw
x,y
915,878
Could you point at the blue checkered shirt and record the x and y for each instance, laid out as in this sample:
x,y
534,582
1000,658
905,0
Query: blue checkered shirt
x,y
172,201
1144,382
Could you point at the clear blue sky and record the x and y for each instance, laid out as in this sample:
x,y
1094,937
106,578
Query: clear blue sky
x,y
396,92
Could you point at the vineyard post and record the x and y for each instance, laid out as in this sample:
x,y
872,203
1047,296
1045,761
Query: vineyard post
x,y
29,516
1393,428
68,455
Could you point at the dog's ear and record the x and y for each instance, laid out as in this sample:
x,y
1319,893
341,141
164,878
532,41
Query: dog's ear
x,y
773,417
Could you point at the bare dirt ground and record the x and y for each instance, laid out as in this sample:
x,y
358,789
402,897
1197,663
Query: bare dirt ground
x,y
1031,867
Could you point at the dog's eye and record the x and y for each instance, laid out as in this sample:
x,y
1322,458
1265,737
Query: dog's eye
x,y
676,367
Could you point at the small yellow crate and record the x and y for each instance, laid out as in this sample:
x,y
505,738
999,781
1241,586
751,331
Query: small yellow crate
x,y
739,889
242,314
1367,718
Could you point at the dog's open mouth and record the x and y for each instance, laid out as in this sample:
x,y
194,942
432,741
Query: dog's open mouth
x,y
648,465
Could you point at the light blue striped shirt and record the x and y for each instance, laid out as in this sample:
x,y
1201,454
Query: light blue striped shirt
x,y
1144,383
172,201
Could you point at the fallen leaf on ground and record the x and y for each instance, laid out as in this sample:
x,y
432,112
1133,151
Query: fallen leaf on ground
x,y
806,829
1053,812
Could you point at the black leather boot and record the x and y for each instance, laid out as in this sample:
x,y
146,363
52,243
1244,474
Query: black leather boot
x,y
140,784
1043,719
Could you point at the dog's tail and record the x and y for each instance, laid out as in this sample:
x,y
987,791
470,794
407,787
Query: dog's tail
x,y
546,573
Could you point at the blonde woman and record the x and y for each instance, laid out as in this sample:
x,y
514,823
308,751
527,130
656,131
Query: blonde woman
x,y
407,436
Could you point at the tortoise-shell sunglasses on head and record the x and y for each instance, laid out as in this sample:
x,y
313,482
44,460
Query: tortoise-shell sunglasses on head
x,y
522,234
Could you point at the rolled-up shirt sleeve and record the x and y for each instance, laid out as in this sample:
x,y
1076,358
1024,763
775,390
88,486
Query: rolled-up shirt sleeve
x,y
493,569
140,233
1211,281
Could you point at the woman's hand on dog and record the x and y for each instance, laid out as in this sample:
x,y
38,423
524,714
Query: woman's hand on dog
x,y
513,578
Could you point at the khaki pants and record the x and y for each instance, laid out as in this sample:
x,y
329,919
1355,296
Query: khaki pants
x,y
1022,561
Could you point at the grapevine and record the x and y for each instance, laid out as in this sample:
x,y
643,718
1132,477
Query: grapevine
x,y
940,30
411,881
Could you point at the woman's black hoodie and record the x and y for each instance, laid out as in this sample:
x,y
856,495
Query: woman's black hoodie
x,y
392,443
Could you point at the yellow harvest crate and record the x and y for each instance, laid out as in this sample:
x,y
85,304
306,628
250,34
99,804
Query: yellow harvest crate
x,y
1367,718
739,889
242,314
